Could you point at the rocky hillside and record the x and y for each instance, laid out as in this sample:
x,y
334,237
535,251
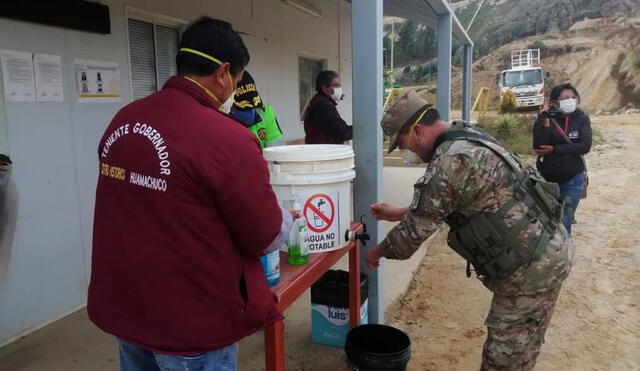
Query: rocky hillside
x,y
579,43
600,57
500,22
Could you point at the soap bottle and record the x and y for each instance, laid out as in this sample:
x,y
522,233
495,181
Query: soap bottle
x,y
298,243
271,267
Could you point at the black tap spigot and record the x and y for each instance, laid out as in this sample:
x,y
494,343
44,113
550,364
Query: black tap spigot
x,y
362,237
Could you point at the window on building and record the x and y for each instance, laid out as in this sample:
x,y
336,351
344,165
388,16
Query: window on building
x,y
308,69
152,52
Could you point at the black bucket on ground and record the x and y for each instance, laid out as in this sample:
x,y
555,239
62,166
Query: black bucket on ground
x,y
377,348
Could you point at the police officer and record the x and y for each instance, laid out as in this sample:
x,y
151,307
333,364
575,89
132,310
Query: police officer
x,y
505,220
257,116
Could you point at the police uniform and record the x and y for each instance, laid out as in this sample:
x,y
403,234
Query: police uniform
x,y
523,257
257,116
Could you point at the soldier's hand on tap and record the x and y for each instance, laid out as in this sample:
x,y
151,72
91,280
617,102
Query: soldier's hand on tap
x,y
382,211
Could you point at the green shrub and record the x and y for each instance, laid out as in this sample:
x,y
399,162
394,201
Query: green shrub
x,y
538,44
514,131
508,103
505,126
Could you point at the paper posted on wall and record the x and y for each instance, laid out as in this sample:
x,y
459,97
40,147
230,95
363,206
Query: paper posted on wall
x,y
18,76
98,81
48,72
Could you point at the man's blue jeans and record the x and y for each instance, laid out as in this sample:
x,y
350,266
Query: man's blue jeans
x,y
134,358
572,189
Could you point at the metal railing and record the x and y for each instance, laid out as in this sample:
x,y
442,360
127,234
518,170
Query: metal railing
x,y
482,102
525,58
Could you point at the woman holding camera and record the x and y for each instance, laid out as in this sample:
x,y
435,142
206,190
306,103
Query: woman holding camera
x,y
561,137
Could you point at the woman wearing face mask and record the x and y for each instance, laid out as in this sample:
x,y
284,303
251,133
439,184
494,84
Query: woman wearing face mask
x,y
322,122
561,137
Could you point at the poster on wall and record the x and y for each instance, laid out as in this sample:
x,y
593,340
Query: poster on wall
x,y
18,76
48,72
97,81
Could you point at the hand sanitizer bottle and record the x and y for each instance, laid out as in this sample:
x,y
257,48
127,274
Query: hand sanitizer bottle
x,y
298,244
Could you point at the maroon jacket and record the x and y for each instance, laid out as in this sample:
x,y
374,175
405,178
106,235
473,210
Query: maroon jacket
x,y
183,211
323,124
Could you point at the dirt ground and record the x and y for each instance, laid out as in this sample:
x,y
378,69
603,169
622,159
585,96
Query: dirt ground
x,y
596,325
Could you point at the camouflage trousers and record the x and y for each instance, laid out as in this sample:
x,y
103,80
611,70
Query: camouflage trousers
x,y
516,326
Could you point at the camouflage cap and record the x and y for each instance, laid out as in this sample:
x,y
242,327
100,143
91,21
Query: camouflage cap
x,y
398,116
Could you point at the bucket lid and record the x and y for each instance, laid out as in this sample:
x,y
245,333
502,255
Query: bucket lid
x,y
308,152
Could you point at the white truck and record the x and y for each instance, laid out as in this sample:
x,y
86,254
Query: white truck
x,y
525,78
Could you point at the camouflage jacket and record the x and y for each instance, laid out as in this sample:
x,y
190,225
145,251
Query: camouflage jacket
x,y
468,178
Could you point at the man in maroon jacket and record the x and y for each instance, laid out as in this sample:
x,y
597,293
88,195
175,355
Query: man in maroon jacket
x,y
183,212
322,122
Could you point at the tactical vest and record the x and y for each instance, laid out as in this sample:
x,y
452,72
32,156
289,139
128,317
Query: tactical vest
x,y
484,239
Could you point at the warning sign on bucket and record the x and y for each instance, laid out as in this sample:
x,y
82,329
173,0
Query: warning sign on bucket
x,y
321,212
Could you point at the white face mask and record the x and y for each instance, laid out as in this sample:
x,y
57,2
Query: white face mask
x,y
226,106
410,158
567,106
337,94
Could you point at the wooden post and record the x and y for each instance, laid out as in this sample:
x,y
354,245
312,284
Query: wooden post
x,y
274,346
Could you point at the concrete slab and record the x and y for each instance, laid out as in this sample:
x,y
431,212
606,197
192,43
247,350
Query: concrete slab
x,y
74,344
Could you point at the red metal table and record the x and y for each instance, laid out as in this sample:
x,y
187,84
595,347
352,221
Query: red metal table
x,y
295,280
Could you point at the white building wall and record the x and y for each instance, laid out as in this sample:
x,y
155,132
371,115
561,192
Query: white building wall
x,y
45,246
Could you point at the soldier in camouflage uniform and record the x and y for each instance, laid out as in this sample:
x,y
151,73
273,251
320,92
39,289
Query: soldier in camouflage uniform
x,y
476,178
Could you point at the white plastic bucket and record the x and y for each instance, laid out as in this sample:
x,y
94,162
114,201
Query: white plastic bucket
x,y
319,177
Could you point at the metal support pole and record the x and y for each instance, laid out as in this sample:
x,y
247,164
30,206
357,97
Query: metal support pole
x,y
366,23
393,41
444,65
466,82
